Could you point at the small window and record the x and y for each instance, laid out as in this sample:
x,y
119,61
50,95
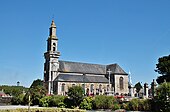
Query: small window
x,y
63,87
121,82
53,48
108,88
100,88
73,85
83,86
92,88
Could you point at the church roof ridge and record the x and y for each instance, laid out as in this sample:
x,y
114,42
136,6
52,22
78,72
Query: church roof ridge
x,y
82,62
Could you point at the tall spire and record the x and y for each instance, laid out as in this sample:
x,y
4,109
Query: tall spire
x,y
53,28
130,78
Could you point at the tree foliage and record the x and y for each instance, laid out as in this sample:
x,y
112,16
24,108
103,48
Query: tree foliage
x,y
57,101
162,100
139,105
76,94
138,87
103,102
13,90
36,92
45,101
17,100
87,103
163,68
37,82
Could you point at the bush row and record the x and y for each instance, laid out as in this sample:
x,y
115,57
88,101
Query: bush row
x,y
109,102
97,102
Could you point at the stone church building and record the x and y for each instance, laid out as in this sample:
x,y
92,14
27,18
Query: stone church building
x,y
95,79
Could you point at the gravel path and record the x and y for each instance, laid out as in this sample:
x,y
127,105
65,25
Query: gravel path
x,y
16,106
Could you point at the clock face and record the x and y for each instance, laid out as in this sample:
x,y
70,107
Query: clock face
x,y
55,64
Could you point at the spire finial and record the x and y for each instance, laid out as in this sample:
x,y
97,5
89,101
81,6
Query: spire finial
x,y
53,24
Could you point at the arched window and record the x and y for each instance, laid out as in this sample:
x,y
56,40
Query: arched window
x,y
121,82
100,88
83,86
73,85
54,46
108,88
92,88
63,87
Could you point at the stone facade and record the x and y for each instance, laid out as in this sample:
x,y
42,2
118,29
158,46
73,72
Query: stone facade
x,y
94,78
89,88
121,84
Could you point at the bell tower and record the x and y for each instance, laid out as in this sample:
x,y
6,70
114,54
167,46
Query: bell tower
x,y
51,64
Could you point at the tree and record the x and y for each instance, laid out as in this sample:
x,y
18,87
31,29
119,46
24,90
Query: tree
x,y
36,92
163,68
76,94
37,82
162,100
138,86
16,100
13,90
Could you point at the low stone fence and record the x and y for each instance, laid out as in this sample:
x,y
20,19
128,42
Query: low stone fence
x,y
5,100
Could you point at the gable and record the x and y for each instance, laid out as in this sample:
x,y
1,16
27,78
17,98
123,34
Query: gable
x,y
116,69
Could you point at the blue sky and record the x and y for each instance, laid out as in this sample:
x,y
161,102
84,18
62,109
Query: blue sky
x,y
132,33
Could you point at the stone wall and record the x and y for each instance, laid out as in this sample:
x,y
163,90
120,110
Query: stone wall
x,y
90,88
117,87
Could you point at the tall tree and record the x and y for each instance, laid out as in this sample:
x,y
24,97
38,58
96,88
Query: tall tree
x,y
37,82
36,92
162,100
163,68
138,87
76,94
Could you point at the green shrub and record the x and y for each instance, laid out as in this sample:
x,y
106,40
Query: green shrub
x,y
139,105
133,104
76,95
145,105
57,101
87,103
124,106
116,106
103,102
68,103
17,100
44,102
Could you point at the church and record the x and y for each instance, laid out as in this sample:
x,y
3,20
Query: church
x,y
95,79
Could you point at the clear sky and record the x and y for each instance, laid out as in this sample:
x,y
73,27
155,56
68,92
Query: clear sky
x,y
132,33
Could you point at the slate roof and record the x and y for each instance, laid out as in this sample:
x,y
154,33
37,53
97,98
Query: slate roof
x,y
86,68
81,78
116,69
77,67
